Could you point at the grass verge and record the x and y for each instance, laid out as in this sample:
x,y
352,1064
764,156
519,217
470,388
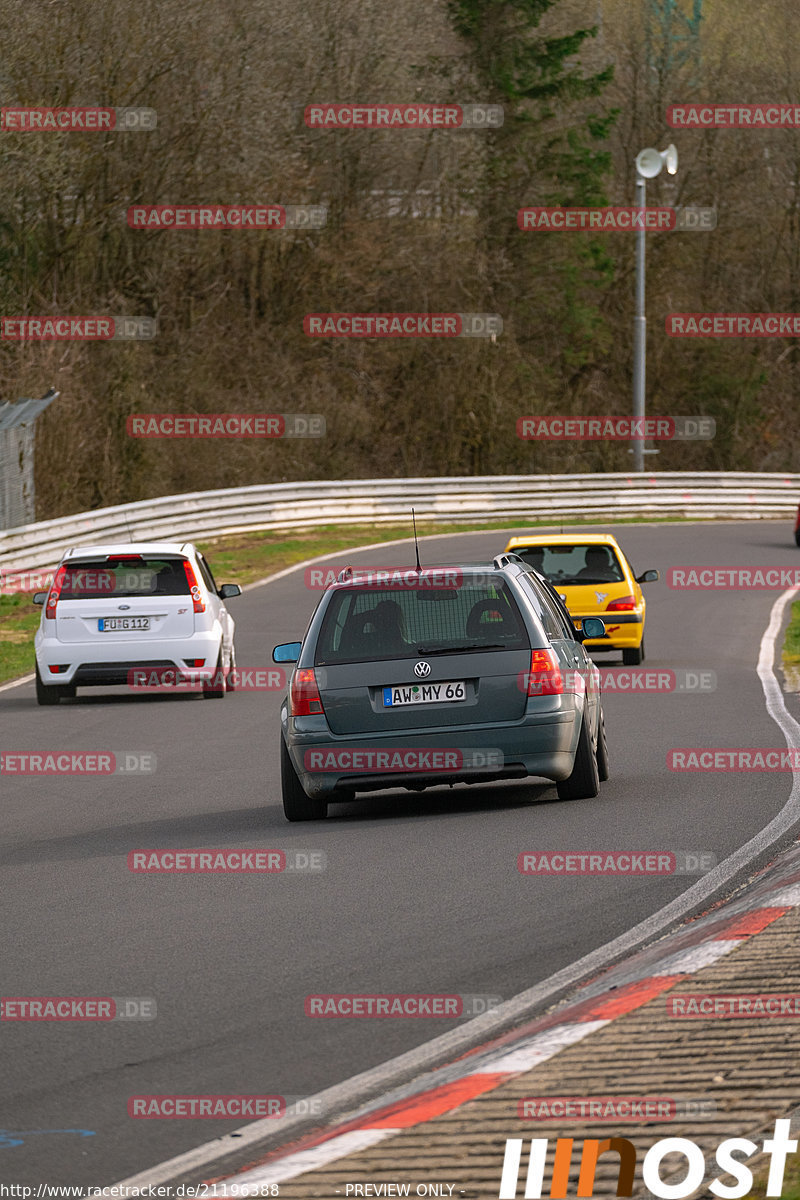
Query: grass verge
x,y
790,656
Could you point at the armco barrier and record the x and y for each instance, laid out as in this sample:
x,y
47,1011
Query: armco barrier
x,y
195,515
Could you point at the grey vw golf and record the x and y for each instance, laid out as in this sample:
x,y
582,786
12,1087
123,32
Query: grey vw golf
x,y
457,674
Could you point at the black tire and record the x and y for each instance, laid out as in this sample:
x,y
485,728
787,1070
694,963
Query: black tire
x,y
216,689
632,658
297,806
797,538
45,694
602,751
584,782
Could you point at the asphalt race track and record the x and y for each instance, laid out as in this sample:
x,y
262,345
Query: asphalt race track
x,y
421,891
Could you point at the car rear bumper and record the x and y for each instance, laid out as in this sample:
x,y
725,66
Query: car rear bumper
x,y
94,664
624,630
541,744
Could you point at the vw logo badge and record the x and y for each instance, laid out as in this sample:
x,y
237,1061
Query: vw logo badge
x,y
422,670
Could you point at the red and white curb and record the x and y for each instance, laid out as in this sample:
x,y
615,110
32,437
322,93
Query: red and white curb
x,y
622,990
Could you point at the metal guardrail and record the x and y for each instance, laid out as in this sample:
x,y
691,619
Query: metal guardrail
x,y
202,515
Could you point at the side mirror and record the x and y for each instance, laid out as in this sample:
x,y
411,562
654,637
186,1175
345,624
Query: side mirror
x,y
288,652
648,577
229,590
592,627
39,597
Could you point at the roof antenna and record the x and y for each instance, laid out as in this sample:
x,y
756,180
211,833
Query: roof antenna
x,y
416,543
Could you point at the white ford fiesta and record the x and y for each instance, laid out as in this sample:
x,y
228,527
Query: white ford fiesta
x,y
115,614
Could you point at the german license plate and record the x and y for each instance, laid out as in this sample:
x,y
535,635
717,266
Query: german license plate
x,y
424,693
118,624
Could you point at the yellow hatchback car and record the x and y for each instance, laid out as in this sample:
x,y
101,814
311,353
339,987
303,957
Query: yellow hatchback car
x,y
594,579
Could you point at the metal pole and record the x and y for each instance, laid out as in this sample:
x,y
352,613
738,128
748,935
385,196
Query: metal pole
x,y
639,330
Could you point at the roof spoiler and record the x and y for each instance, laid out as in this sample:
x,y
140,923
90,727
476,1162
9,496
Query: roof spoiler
x,y
507,559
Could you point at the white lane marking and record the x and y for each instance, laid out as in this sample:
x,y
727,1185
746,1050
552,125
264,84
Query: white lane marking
x,y
686,962
305,1160
525,1055
17,682
346,1095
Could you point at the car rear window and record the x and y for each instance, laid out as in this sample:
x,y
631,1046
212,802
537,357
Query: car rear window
x,y
363,624
94,578
574,564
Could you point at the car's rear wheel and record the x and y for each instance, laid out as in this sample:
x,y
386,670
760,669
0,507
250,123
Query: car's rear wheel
x,y
634,656
45,694
584,782
602,751
216,689
797,537
297,806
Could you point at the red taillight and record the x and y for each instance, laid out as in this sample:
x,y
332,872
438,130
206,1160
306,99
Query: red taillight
x,y
195,662
54,593
624,604
197,601
544,677
304,697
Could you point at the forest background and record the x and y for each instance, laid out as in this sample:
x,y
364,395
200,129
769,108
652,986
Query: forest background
x,y
417,222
